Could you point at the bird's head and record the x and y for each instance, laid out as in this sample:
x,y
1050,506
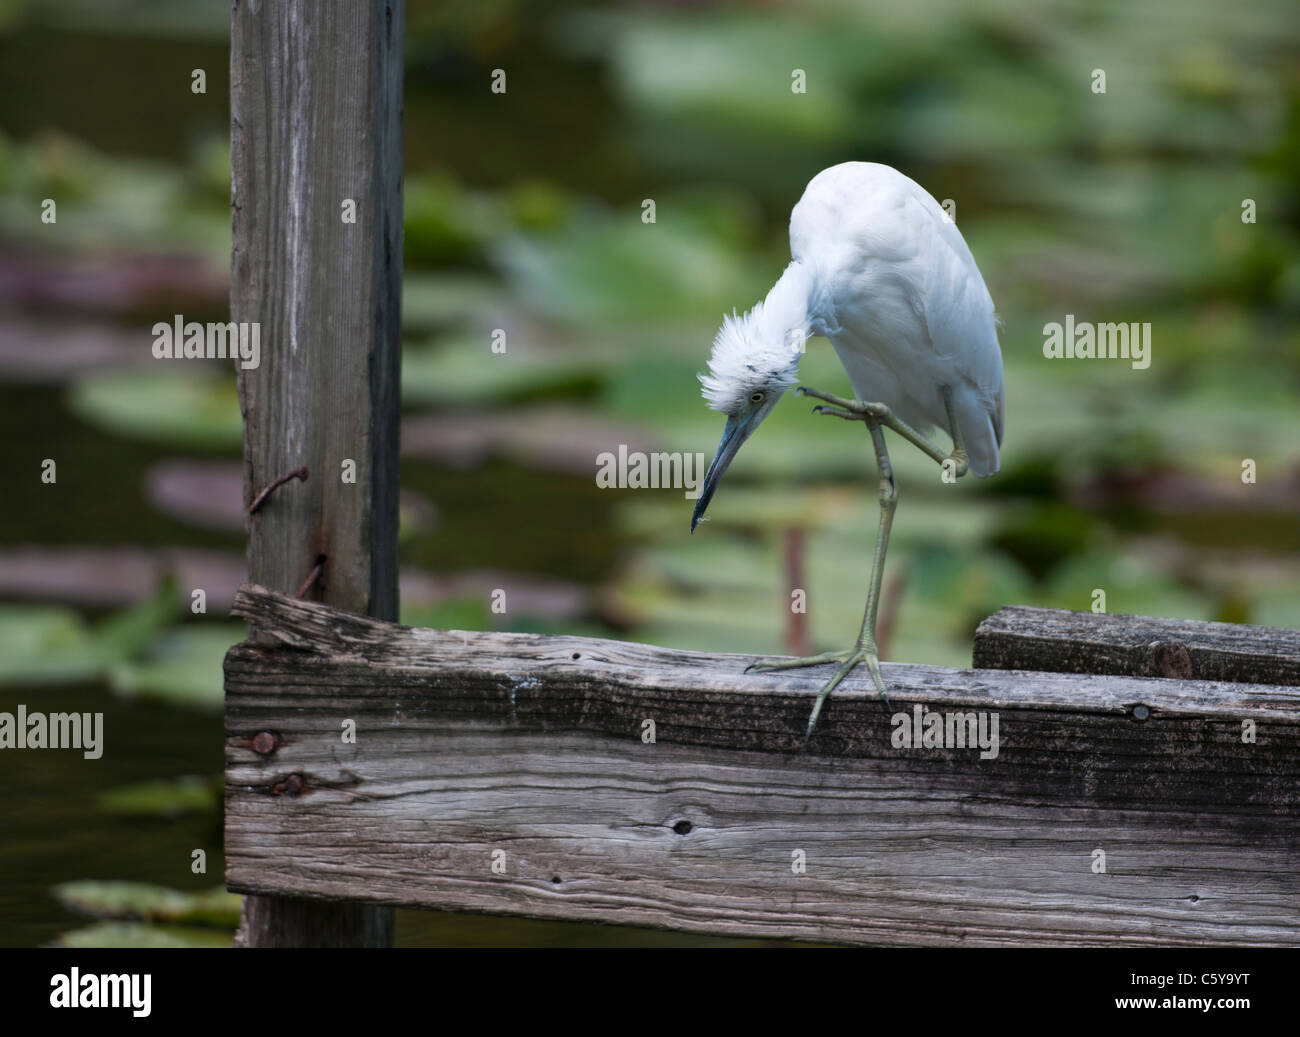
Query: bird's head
x,y
754,361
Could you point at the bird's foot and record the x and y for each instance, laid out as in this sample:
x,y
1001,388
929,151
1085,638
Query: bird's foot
x,y
957,462
849,410
847,661
791,664
817,394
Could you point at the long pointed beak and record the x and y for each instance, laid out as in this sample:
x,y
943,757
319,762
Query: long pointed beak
x,y
733,436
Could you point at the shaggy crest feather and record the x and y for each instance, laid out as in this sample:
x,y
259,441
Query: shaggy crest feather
x,y
759,349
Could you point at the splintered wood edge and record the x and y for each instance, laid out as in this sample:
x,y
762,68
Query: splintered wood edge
x,y
348,639
1020,637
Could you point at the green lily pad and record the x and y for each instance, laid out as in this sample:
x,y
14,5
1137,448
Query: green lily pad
x,y
445,223
136,934
462,371
1133,584
181,404
133,650
455,614
146,902
432,301
171,798
46,644
127,633
183,666
610,269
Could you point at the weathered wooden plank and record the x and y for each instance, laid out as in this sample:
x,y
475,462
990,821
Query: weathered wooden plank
x,y
1020,638
473,743
316,101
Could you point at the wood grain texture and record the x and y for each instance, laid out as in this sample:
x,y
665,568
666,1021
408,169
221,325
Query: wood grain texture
x,y
471,743
316,119
1021,638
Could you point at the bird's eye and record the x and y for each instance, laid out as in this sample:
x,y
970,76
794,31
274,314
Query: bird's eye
x,y
757,397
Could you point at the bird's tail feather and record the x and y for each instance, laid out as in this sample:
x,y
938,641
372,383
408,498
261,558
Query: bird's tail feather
x,y
982,446
981,428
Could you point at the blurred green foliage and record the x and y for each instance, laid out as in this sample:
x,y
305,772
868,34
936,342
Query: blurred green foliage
x,y
1123,205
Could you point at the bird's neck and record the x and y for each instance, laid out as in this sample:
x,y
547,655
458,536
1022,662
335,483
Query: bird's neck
x,y
785,315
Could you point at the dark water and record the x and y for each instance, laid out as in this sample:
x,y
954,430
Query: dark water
x,y
124,94
52,830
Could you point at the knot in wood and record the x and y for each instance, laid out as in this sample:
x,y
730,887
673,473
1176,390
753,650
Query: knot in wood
x,y
1169,659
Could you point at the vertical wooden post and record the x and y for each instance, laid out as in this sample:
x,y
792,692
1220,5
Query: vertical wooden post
x,y
316,132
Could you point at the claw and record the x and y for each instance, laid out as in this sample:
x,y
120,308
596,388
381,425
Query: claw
x,y
847,662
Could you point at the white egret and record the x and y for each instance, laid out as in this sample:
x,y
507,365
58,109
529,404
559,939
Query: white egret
x,y
880,270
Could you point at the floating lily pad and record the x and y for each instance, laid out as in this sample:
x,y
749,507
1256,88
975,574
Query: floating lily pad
x,y
610,269
50,644
136,934
445,223
433,301
178,403
1134,585
457,614
185,795
183,666
141,900
125,634
463,371
46,644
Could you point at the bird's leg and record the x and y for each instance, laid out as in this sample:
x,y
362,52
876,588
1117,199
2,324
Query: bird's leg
x,y
864,650
856,410
954,429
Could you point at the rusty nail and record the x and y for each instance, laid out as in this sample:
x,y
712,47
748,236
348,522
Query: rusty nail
x,y
260,499
312,576
290,786
265,743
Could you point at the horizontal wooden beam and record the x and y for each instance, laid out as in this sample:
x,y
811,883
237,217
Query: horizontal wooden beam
x,y
1020,638
512,773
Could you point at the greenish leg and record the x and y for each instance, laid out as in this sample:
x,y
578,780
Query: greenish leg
x,y
864,650
874,415
854,410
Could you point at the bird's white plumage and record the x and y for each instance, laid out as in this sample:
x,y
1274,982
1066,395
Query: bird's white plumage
x,y
885,275
897,292
880,270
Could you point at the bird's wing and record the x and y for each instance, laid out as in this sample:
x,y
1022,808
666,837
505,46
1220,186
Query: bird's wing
x,y
877,235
